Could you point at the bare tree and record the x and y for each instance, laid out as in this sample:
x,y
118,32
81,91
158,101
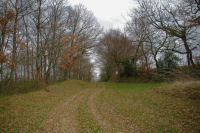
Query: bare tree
x,y
83,29
193,12
36,34
168,17
114,47
20,8
6,19
139,30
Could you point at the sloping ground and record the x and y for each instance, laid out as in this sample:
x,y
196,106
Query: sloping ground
x,y
27,113
82,107
64,117
152,108
93,108
65,107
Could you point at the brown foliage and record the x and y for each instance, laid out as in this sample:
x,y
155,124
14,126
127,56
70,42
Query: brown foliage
x,y
146,69
6,17
70,56
2,57
197,61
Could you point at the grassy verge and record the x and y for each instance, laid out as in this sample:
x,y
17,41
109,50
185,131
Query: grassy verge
x,y
19,87
156,108
26,112
87,123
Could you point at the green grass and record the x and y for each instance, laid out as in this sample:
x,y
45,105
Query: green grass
x,y
150,107
26,112
19,87
152,111
87,123
134,87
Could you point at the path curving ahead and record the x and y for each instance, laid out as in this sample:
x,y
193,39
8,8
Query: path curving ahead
x,y
64,117
100,119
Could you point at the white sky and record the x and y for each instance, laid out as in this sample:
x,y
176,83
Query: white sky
x,y
110,13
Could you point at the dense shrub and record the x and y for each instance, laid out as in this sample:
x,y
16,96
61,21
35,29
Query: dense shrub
x,y
127,68
168,60
104,76
19,87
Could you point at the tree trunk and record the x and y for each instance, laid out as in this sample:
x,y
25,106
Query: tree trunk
x,y
13,68
48,72
54,71
1,71
1,52
27,63
24,71
41,64
156,61
38,40
188,52
27,50
45,65
32,64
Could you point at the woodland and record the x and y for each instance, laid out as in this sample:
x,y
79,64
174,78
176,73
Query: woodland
x,y
61,71
43,41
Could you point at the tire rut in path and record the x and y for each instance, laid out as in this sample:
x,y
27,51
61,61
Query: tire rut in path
x,y
100,119
122,123
63,118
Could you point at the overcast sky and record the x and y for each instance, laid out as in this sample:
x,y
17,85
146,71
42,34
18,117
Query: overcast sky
x,y
110,13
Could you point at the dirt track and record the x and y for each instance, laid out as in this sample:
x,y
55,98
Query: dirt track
x,y
64,117
101,120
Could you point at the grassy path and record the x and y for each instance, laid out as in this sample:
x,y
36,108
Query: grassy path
x,y
93,108
78,113
152,107
64,117
54,109
83,107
